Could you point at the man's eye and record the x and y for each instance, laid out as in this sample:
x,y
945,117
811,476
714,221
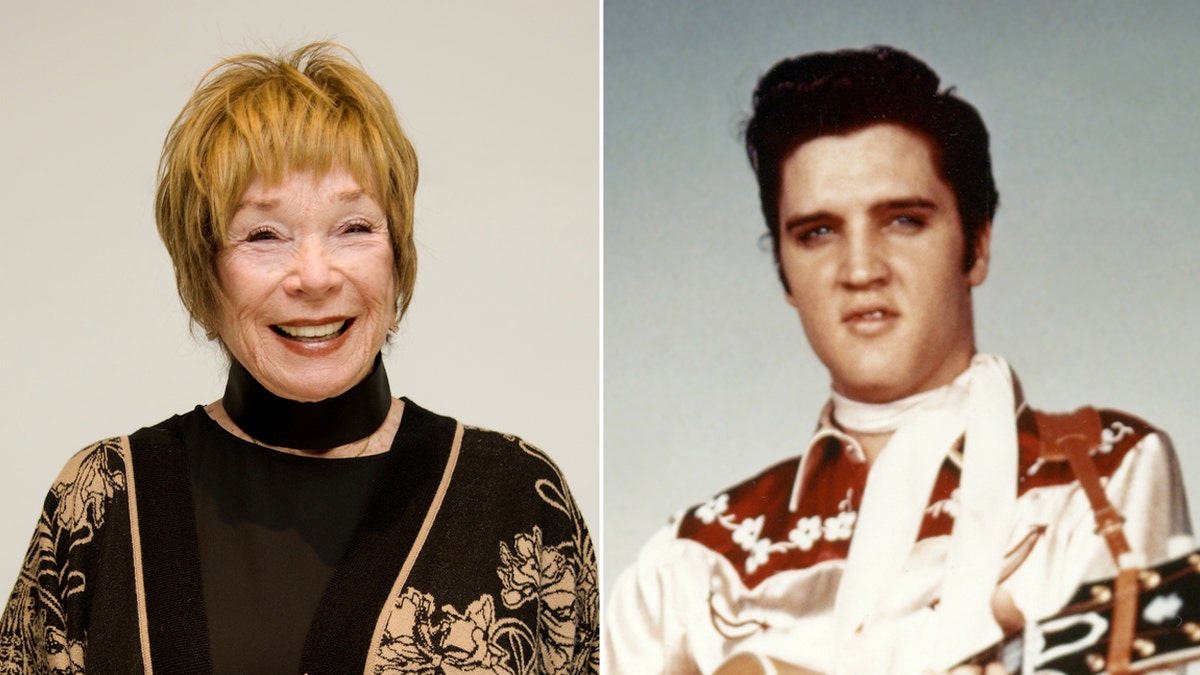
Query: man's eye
x,y
908,221
811,235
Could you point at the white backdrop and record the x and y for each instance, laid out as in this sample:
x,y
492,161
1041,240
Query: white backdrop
x,y
502,103
1092,108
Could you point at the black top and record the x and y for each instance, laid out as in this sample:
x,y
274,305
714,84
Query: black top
x,y
272,528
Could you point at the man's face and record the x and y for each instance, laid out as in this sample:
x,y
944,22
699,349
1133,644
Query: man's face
x,y
871,245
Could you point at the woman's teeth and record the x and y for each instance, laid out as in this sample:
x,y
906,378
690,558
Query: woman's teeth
x,y
312,332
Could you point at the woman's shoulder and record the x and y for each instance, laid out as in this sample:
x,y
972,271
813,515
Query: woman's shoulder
x,y
105,451
484,449
499,442
96,474
506,454
99,471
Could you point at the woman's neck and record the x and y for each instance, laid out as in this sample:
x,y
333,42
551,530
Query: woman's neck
x,y
377,442
275,421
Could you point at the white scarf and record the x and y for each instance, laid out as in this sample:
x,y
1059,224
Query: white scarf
x,y
980,403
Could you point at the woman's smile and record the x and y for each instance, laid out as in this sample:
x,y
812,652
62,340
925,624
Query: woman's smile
x,y
313,333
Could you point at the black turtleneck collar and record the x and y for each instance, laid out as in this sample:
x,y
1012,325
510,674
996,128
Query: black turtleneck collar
x,y
321,425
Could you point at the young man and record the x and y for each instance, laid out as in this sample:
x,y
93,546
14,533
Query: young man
x,y
931,493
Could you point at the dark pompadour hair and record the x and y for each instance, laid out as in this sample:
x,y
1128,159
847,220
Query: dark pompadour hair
x,y
838,93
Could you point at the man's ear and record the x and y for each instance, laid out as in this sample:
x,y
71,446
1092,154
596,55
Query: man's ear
x,y
983,253
787,290
791,299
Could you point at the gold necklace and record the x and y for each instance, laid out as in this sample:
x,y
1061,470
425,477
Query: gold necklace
x,y
365,445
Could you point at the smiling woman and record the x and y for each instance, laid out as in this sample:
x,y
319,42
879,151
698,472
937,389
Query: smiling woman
x,y
307,521
309,279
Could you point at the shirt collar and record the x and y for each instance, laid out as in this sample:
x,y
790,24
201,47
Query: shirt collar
x,y
828,432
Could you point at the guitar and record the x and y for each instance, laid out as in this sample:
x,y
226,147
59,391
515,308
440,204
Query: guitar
x,y
1075,640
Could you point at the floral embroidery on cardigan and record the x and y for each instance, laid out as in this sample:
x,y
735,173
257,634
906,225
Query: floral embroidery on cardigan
x,y
420,637
35,635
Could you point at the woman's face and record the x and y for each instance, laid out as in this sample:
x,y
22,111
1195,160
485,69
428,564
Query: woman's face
x,y
308,277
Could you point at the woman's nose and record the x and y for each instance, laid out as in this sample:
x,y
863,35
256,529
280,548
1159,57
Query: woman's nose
x,y
313,272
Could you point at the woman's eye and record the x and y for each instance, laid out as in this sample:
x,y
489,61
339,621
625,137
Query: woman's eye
x,y
261,235
360,226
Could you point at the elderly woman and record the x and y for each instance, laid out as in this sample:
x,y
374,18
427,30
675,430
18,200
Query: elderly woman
x,y
307,521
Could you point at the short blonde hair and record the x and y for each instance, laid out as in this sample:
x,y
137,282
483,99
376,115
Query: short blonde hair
x,y
312,109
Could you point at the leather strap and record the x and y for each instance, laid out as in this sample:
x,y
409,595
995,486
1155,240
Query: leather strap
x,y
1075,435
1124,620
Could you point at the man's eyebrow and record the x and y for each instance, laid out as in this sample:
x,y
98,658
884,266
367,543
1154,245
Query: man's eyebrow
x,y
877,209
889,205
807,219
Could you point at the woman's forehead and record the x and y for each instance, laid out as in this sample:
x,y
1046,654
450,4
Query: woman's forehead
x,y
338,180
337,185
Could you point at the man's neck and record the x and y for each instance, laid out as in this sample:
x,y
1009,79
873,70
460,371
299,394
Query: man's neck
x,y
871,444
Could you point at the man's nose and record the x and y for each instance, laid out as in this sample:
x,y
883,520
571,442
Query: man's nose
x,y
863,263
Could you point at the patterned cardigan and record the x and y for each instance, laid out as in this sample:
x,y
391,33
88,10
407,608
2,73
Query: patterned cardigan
x,y
472,556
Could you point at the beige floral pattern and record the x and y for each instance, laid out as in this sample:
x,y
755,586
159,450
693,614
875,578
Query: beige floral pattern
x,y
560,579
425,639
532,572
34,635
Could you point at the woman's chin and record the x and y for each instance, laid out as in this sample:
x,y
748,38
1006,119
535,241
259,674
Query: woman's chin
x,y
310,371
310,384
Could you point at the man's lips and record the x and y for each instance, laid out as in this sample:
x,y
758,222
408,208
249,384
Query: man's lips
x,y
313,332
874,313
869,320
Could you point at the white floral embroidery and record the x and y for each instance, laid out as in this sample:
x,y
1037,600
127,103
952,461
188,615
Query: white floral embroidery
x,y
710,510
747,532
760,552
808,530
840,527
1110,436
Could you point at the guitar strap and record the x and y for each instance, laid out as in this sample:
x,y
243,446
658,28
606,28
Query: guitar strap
x,y
1076,435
